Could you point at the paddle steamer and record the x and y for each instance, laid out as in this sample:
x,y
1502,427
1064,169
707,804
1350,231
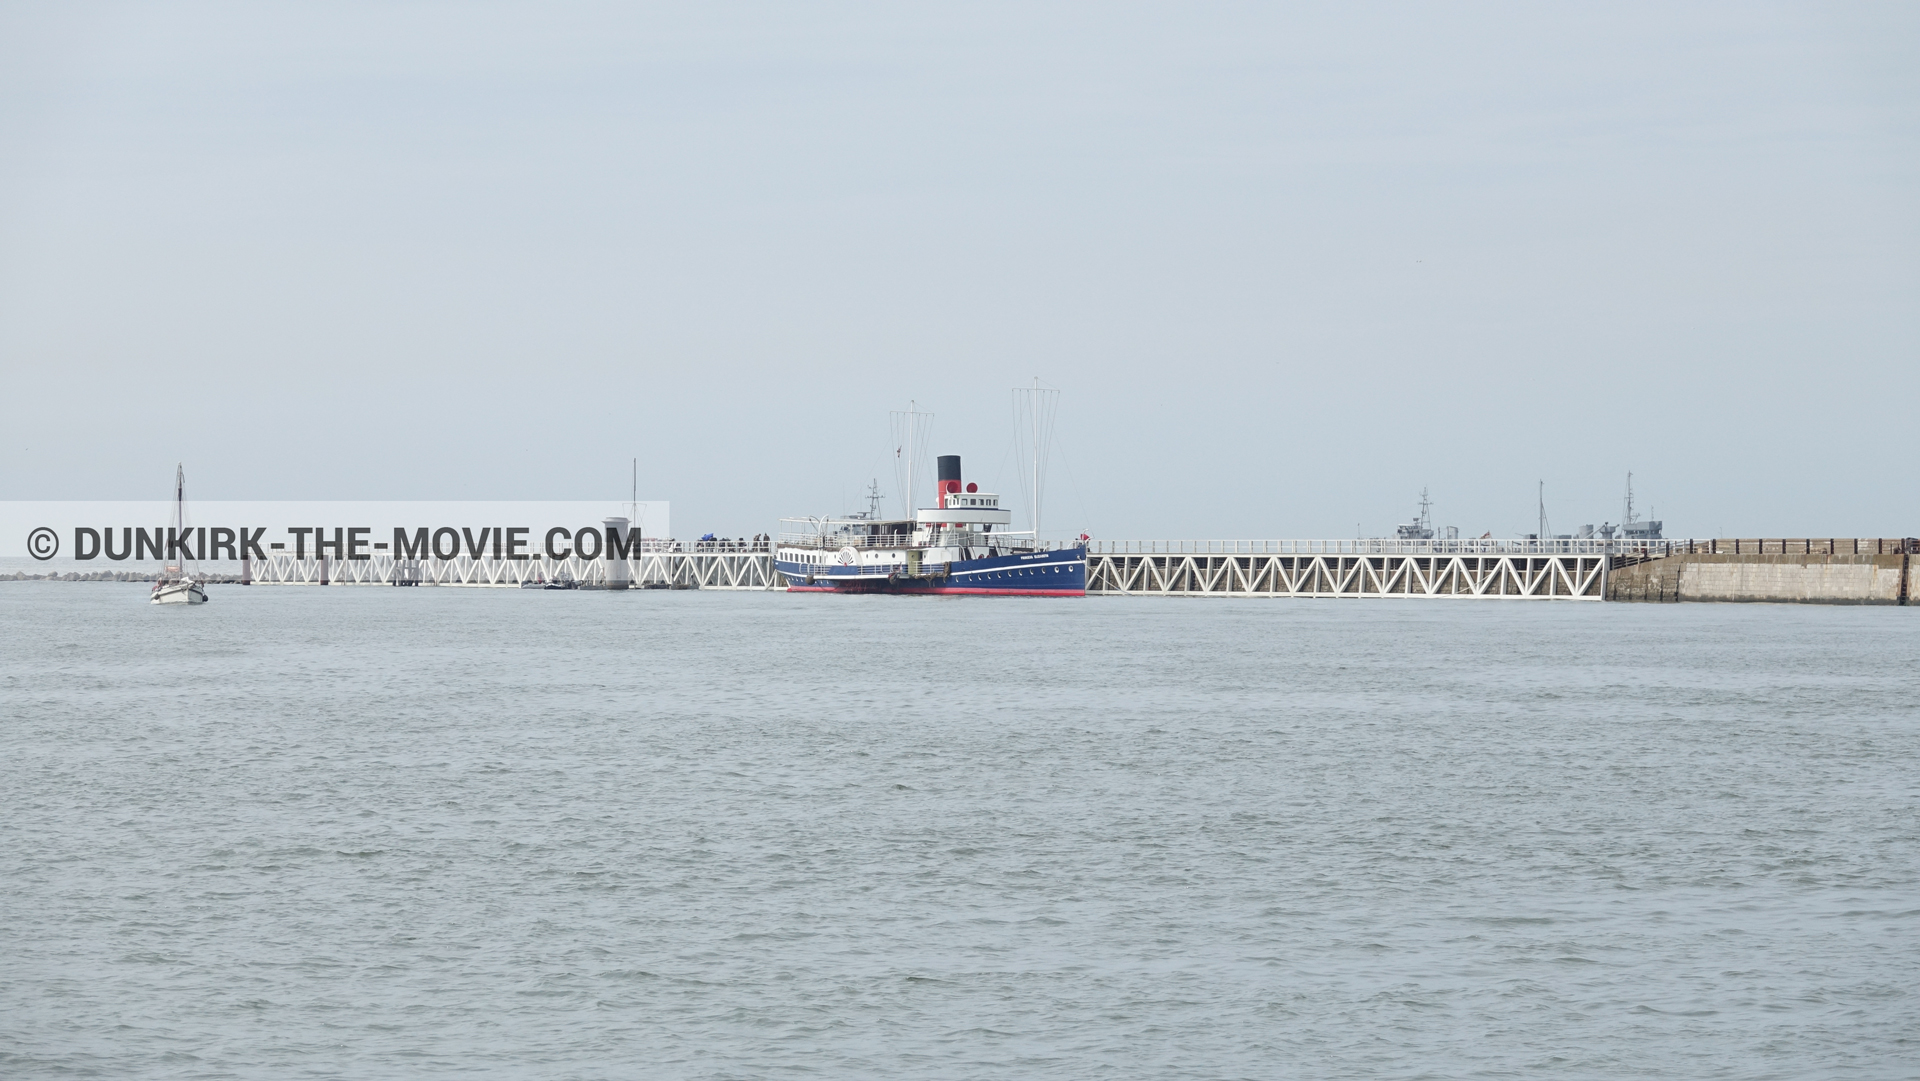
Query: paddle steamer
x,y
962,545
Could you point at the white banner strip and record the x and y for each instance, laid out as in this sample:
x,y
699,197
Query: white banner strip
x,y
103,533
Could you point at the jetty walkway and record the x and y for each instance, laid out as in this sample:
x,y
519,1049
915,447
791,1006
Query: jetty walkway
x,y
1805,570
1510,569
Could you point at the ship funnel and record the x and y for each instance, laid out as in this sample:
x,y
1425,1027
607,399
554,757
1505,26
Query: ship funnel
x,y
949,475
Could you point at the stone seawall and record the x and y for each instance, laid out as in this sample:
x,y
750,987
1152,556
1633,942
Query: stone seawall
x,y
1816,578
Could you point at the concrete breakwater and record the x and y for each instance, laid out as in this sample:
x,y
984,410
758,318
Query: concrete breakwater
x,y
1789,570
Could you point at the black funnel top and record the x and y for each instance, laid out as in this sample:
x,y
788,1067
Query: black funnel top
x,y
949,467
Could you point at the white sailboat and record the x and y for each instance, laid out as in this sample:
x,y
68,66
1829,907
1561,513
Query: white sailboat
x,y
176,584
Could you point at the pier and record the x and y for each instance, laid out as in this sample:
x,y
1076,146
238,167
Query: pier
x,y
661,568
1567,570
1458,569
1789,570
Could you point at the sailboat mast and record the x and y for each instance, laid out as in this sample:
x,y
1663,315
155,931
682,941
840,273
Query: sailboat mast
x,y
179,516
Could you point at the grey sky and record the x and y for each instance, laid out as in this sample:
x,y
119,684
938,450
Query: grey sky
x,y
1288,266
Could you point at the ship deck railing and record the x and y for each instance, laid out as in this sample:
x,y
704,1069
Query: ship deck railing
x,y
1008,542
1367,546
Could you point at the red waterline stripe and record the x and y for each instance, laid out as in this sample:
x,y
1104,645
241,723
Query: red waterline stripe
x,y
946,590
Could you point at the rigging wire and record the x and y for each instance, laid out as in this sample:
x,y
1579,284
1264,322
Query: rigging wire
x,y
1073,485
1035,409
999,474
912,432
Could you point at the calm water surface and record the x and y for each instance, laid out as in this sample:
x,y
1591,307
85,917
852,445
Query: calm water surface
x,y
490,833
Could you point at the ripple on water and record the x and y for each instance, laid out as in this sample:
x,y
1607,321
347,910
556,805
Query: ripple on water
x,y
494,833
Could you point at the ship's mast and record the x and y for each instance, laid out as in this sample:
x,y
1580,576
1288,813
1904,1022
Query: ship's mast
x,y
1030,436
908,436
1036,461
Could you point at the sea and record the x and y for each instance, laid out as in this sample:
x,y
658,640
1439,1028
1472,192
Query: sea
x,y
485,833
